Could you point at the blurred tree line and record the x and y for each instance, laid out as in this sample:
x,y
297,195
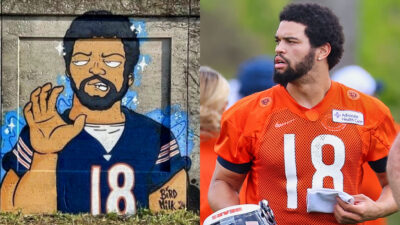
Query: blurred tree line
x,y
378,50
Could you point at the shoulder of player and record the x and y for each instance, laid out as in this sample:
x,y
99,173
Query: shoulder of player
x,y
255,103
250,113
370,106
142,121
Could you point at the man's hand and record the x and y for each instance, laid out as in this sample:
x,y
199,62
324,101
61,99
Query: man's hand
x,y
363,209
48,131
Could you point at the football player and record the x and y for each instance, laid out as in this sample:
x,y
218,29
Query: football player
x,y
303,142
98,156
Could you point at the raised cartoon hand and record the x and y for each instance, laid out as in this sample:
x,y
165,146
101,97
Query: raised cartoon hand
x,y
49,133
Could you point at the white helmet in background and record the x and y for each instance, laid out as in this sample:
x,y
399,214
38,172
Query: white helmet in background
x,y
355,77
248,214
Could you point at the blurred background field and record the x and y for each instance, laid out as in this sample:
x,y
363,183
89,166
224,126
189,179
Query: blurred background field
x,y
233,31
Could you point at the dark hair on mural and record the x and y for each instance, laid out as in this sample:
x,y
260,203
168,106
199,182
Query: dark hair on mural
x,y
322,26
103,24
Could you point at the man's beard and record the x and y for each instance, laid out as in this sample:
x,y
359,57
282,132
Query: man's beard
x,y
97,102
301,69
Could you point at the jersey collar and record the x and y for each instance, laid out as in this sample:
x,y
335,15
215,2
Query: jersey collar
x,y
313,113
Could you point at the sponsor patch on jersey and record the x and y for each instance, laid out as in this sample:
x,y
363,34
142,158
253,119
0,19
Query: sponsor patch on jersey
x,y
347,116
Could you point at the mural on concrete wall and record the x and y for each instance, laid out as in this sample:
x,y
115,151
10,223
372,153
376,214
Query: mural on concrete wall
x,y
80,146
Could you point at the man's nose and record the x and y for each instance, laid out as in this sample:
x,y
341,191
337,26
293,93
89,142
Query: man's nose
x,y
279,48
96,68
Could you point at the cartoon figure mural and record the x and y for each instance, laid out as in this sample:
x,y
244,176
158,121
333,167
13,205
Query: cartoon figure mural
x,y
97,155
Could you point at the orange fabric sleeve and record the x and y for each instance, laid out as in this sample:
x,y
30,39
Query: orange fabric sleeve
x,y
382,138
232,145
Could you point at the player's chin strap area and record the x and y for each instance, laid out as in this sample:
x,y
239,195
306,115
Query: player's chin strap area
x,y
260,214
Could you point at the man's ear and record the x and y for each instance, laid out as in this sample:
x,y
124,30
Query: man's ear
x,y
130,79
323,51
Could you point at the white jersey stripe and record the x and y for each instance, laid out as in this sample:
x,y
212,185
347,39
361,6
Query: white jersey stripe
x,y
23,145
23,154
164,153
173,153
162,160
21,161
168,144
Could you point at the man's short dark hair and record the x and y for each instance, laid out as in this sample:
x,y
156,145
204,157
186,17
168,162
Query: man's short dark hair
x,y
322,26
106,25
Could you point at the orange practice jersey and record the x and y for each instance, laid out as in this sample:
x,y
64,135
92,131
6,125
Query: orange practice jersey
x,y
286,148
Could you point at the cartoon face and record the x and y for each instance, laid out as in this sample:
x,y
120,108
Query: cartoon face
x,y
97,68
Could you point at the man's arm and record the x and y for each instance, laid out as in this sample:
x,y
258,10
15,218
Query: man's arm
x,y
36,191
365,208
18,193
8,187
393,169
224,188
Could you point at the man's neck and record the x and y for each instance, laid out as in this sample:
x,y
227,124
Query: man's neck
x,y
310,89
109,116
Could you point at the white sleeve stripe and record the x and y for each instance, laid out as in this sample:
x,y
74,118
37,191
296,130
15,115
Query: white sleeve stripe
x,y
174,153
164,147
162,160
168,144
172,147
21,161
27,150
15,153
163,153
23,154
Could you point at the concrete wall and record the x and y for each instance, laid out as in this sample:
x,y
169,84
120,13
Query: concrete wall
x,y
165,87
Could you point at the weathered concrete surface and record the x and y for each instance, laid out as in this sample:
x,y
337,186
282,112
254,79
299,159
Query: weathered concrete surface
x,y
194,102
126,7
195,7
194,91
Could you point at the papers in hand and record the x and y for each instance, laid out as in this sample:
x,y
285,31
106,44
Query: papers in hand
x,y
324,199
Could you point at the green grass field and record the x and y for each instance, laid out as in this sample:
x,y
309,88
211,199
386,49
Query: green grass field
x,y
143,217
394,219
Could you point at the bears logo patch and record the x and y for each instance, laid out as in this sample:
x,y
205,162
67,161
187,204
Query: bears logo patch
x,y
353,94
265,101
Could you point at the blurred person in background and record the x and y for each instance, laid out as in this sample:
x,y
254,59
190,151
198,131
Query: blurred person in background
x,y
214,91
359,79
253,75
356,77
